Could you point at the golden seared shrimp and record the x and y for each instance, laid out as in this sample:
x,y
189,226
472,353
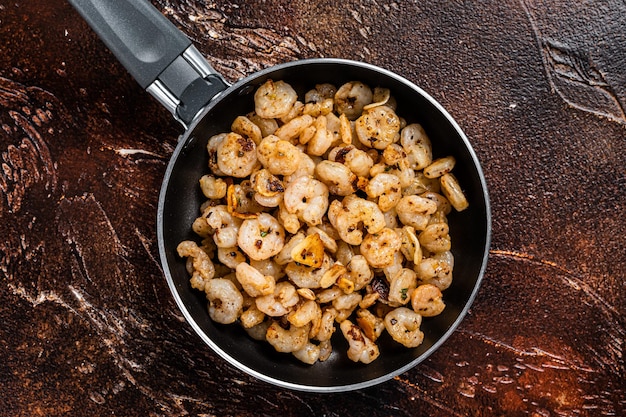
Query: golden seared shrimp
x,y
308,312
435,238
253,282
379,248
309,354
361,349
347,216
294,128
236,155
212,145
371,325
402,286
337,177
247,128
327,324
231,257
403,325
203,268
225,300
308,199
307,276
274,99
267,126
385,187
436,270
261,238
351,98
359,272
226,226
322,138
427,300
280,302
415,211
320,93
279,156
287,340
359,162
417,146
378,127
213,188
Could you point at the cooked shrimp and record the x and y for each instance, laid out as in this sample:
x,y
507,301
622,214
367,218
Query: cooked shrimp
x,y
359,272
320,93
252,317
427,300
231,257
362,349
415,211
254,283
436,270
212,145
225,225
306,276
294,127
279,156
274,99
225,300
247,128
435,238
291,339
358,161
403,325
266,184
337,177
351,98
280,301
379,248
402,286
203,268
309,354
417,146
378,127
347,216
261,238
212,187
327,324
322,139
308,312
387,188
267,126
308,199
236,155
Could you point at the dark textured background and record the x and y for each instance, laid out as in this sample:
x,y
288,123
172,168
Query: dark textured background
x,y
87,324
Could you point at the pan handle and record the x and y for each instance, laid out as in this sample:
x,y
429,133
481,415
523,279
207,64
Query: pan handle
x,y
156,53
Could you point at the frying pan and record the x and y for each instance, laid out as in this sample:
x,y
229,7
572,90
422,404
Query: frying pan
x,y
163,61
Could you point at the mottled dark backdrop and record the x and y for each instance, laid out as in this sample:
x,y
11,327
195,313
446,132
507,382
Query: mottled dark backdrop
x,y
87,324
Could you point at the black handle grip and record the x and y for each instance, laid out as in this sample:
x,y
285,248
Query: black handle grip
x,y
141,38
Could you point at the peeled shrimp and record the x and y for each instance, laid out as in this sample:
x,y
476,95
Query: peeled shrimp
x,y
362,349
378,127
379,248
287,340
203,268
261,238
403,325
338,177
427,300
236,155
274,99
387,188
225,300
279,156
351,98
226,226
348,215
254,283
307,198
280,301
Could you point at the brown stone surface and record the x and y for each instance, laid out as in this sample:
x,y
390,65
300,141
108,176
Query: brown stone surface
x,y
87,324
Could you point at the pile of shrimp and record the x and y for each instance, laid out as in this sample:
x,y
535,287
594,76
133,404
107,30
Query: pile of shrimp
x,y
322,214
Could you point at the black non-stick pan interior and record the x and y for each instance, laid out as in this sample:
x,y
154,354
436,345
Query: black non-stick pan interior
x,y
181,198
